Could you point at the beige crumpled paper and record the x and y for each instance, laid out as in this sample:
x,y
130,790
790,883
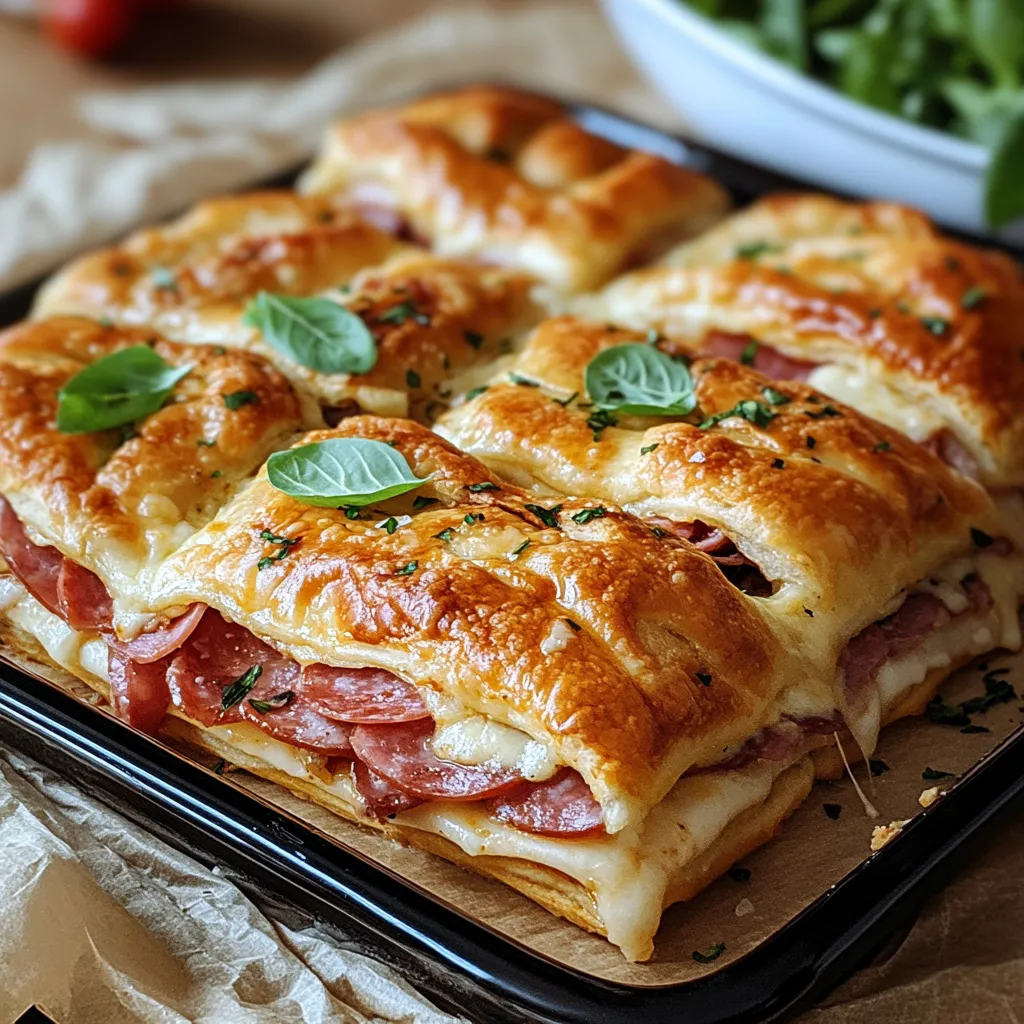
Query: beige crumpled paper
x,y
103,924
157,150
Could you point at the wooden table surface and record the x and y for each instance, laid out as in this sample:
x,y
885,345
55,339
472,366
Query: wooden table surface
x,y
213,39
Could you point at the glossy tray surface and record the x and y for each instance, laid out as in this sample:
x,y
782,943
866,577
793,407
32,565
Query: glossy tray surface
x,y
461,963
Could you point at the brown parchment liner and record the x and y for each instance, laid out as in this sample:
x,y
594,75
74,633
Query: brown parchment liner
x,y
811,853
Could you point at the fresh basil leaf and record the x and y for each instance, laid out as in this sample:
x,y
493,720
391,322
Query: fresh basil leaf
x,y
117,389
317,333
639,380
352,471
1004,181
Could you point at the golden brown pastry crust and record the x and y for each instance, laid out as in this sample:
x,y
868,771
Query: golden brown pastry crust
x,y
193,279
619,698
109,503
507,176
843,526
871,287
198,271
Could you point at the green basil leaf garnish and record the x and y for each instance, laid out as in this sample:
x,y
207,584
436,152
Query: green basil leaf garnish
x,y
317,333
117,389
639,380
352,471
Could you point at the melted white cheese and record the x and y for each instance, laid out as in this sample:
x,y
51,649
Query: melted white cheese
x,y
627,874
479,740
876,399
960,639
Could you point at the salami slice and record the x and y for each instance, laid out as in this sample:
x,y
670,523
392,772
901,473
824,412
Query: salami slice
x,y
160,642
361,695
561,806
139,693
382,797
765,359
82,598
35,565
402,754
220,654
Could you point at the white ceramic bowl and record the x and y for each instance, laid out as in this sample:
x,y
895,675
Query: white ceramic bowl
x,y
745,103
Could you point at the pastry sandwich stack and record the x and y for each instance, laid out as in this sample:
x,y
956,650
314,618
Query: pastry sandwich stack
x,y
498,490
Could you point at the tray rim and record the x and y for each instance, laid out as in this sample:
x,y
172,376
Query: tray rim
x,y
963,811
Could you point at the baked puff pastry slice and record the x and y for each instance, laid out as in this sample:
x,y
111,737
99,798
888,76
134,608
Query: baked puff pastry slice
x,y
866,302
86,516
542,691
882,565
353,316
509,177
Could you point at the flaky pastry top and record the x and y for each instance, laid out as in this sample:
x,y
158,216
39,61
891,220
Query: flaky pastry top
x,y
840,512
510,177
932,327
626,652
119,500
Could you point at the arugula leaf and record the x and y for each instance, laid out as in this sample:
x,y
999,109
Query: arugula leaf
x,y
784,31
117,389
639,380
996,31
954,65
351,471
1004,180
314,332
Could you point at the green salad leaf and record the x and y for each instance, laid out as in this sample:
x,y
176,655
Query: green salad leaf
x,y
350,471
955,65
117,389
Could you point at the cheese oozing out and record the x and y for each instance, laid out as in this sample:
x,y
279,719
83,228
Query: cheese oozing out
x,y
629,873
868,394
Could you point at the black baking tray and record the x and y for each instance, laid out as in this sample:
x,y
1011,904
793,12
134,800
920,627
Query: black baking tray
x,y
461,964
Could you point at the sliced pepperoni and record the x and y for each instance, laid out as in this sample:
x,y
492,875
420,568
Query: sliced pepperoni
x,y
160,642
139,693
297,723
402,754
765,359
382,797
217,654
37,567
83,599
361,695
561,806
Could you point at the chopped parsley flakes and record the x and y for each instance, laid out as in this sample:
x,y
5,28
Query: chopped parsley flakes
x,y
586,514
548,516
755,412
240,687
237,399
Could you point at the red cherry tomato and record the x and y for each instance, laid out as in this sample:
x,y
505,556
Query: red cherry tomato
x,y
92,28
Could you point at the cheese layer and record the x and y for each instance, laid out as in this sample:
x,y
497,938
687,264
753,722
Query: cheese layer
x,y
630,873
